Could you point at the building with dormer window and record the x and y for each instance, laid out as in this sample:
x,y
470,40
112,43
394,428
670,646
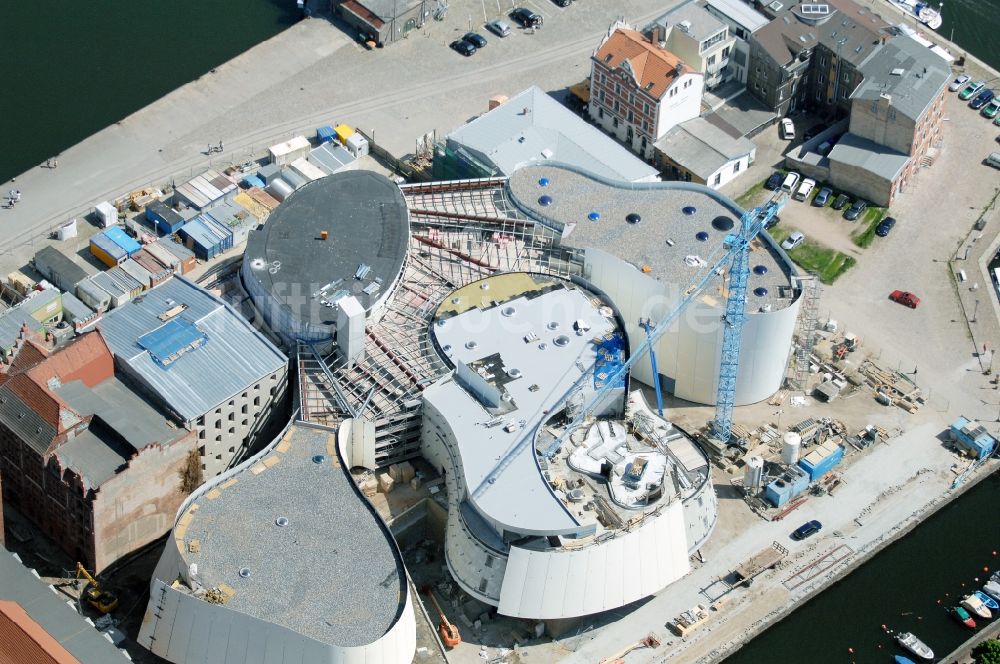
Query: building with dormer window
x,y
639,91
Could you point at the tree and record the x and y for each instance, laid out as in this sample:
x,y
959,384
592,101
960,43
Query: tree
x,y
987,652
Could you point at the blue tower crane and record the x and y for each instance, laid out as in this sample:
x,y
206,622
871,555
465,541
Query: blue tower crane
x,y
647,325
736,249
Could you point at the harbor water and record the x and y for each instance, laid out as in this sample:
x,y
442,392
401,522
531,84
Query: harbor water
x,y
906,587
71,69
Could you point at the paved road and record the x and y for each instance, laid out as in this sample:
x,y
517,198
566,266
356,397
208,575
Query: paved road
x,y
313,74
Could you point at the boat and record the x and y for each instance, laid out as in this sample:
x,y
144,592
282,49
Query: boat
x,y
975,606
903,660
922,12
914,645
962,616
992,588
990,603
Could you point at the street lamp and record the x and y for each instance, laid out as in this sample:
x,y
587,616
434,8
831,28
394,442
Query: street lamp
x,y
975,311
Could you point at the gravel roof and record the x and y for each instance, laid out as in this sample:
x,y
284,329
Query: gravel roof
x,y
660,206
331,574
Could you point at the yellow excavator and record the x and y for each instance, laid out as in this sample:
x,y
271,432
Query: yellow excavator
x,y
103,600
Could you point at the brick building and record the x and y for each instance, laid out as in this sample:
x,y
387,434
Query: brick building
x,y
639,91
84,458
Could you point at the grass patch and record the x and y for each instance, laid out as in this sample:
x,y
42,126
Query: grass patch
x,y
749,198
865,234
825,263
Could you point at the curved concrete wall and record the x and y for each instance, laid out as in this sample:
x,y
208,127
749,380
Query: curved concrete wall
x,y
688,355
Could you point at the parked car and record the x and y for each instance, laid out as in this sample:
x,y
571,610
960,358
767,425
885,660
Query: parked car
x,y
563,3
805,189
499,28
773,221
970,90
787,129
991,109
823,197
959,81
793,240
841,201
906,299
983,98
788,184
475,39
807,529
526,18
774,181
885,226
993,160
463,47
856,210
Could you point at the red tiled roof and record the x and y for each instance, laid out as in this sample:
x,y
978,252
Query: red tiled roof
x,y
655,68
24,640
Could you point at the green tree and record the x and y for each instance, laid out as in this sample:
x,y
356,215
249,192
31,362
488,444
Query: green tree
x,y
987,652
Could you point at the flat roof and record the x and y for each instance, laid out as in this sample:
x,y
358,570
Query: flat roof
x,y
697,21
332,573
740,12
532,126
489,336
663,209
910,75
367,223
234,357
54,613
853,150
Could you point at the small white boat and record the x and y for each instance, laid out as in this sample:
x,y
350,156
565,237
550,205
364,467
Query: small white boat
x,y
976,607
993,590
914,645
922,12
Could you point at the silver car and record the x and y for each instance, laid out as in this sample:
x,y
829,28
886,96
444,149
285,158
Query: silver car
x,y
499,28
961,80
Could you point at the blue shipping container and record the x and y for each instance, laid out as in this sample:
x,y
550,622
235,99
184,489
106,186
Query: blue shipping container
x,y
823,466
325,134
252,181
119,237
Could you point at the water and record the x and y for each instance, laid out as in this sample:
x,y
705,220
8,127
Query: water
x,y
72,68
900,588
973,25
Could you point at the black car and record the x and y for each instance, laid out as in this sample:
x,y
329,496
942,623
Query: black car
x,y
885,226
463,47
840,201
807,529
475,39
856,210
773,221
774,181
563,3
526,18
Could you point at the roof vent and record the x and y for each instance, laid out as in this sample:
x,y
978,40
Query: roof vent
x,y
281,521
561,340
633,218
545,200
484,286
543,182
245,572
514,373
594,216
472,345
760,269
318,459
685,25
507,312
723,223
898,71
701,236
553,325
689,210
760,291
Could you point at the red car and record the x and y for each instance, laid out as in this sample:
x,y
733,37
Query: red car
x,y
907,299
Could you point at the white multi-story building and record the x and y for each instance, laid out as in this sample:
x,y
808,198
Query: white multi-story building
x,y
638,91
698,38
200,361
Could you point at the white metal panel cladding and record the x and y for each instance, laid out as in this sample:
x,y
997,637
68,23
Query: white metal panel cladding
x,y
188,629
599,577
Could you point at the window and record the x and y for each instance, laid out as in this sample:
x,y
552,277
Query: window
x,y
600,113
645,108
218,424
818,95
604,79
614,122
892,114
232,416
736,168
875,106
243,410
256,401
711,60
618,88
645,125
630,117
616,105
718,178
631,98
600,95
232,430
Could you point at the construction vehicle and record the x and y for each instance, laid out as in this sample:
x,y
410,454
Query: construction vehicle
x,y
618,658
448,630
103,600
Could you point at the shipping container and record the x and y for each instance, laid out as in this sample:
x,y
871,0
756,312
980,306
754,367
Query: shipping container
x,y
344,132
106,250
325,134
822,460
106,214
280,189
184,255
158,273
357,145
251,181
303,167
123,240
91,294
289,151
269,173
294,179
137,272
77,313
164,218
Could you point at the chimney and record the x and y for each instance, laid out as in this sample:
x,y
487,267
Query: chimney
x,y
657,37
323,235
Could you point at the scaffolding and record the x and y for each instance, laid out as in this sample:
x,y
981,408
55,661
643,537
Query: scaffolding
x,y
805,333
461,231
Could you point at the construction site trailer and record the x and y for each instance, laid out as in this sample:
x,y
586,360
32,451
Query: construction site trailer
x,y
289,151
325,134
357,145
344,132
106,214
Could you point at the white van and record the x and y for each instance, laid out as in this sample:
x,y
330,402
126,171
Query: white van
x,y
805,189
994,159
791,180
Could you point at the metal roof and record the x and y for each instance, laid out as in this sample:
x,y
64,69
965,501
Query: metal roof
x,y
54,613
853,150
920,76
24,422
518,132
95,454
65,272
234,357
74,309
534,376
740,12
702,148
331,157
119,237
